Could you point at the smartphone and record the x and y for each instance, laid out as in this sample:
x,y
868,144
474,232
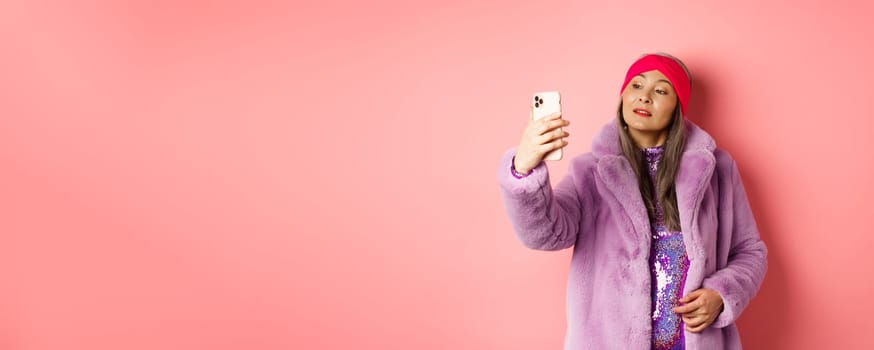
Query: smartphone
x,y
544,104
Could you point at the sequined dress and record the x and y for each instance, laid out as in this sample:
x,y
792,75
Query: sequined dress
x,y
668,264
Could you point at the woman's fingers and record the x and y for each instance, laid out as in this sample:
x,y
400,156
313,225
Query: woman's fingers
x,y
687,308
541,136
551,136
698,319
694,321
695,324
539,122
548,125
698,327
547,147
552,116
547,132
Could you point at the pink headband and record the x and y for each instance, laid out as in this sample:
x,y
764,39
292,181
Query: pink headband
x,y
667,66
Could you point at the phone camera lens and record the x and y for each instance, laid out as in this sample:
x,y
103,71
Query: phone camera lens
x,y
536,104
536,98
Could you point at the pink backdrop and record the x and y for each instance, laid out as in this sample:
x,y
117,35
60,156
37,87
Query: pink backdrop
x,y
267,175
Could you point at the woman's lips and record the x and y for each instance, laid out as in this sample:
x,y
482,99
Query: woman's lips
x,y
642,112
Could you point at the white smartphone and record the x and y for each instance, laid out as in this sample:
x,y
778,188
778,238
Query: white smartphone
x,y
546,103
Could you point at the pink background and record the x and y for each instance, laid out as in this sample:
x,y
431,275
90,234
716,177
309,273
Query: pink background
x,y
267,175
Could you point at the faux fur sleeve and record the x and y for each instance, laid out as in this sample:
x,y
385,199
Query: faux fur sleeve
x,y
542,217
739,280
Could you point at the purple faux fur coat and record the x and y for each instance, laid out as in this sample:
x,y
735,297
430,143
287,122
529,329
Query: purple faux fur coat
x,y
597,209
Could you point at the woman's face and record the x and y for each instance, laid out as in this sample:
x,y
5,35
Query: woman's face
x,y
648,103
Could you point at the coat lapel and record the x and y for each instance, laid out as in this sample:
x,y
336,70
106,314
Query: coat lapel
x,y
616,174
693,177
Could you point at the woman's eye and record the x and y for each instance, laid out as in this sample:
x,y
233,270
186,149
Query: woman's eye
x,y
662,92
636,85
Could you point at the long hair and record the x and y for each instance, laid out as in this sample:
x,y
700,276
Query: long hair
x,y
667,171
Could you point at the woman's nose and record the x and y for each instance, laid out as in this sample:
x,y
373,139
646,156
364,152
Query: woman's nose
x,y
644,98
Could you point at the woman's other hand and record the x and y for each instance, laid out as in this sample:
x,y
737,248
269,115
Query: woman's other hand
x,y
700,308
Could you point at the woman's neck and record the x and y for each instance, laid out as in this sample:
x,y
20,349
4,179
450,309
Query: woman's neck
x,y
645,139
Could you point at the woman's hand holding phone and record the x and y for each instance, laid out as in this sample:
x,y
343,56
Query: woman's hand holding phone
x,y
541,136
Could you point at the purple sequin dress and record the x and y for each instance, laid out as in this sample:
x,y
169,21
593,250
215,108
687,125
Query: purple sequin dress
x,y
668,263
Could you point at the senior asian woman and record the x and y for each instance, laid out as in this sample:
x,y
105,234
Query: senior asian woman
x,y
666,251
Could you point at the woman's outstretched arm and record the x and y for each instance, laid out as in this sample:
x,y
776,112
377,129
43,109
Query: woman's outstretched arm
x,y
542,217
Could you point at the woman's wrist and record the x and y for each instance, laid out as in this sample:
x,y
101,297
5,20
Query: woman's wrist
x,y
516,173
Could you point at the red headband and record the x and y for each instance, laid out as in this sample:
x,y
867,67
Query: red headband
x,y
667,66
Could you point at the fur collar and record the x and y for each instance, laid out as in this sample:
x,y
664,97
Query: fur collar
x,y
607,140
696,169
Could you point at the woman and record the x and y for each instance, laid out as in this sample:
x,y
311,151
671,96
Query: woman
x,y
666,250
